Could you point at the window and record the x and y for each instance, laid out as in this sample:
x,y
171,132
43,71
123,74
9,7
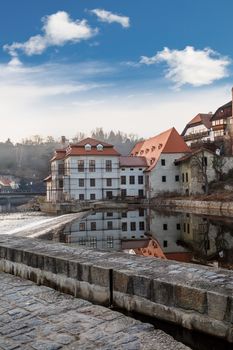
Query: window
x,y
204,161
60,169
81,182
108,165
188,228
109,242
132,180
164,179
123,180
165,244
87,147
93,242
165,227
81,166
109,194
92,196
124,226
131,169
184,227
123,169
123,193
141,212
99,147
141,225
124,214
140,180
140,193
163,162
92,166
81,197
82,226
109,213
177,178
178,226
92,182
109,182
182,177
133,226
109,225
187,177
60,183
93,226
82,241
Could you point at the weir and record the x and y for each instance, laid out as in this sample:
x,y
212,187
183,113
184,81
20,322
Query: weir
x,y
193,296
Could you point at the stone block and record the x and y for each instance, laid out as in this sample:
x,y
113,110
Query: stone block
x,y
217,305
190,298
122,282
62,266
73,269
142,286
50,264
162,293
99,276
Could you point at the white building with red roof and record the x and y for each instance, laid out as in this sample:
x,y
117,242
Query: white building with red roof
x,y
198,129
161,151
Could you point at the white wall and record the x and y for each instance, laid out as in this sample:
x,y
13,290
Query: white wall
x,y
132,189
71,183
170,170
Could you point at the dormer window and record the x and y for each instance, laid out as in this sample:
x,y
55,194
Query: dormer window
x,y
153,148
99,147
160,146
87,147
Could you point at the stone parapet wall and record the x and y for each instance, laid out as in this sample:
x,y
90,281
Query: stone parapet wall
x,y
194,296
208,207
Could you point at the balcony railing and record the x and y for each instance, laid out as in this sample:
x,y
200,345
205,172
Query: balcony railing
x,y
197,135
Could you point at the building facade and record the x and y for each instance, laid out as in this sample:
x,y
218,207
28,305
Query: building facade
x,y
162,174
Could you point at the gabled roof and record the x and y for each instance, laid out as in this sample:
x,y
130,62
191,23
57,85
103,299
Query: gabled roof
x,y
79,149
188,156
92,142
199,119
133,162
59,154
48,178
223,112
167,142
5,182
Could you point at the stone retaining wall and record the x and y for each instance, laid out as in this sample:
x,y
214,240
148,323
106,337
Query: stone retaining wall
x,y
194,296
207,207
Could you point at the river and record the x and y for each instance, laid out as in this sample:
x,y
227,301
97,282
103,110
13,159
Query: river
x,y
178,236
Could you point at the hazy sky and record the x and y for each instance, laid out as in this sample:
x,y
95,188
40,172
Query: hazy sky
x,y
139,66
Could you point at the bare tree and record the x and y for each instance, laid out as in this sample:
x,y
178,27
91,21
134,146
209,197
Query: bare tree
x,y
199,161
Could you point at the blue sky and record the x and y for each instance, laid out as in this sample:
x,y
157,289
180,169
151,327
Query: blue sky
x,y
133,65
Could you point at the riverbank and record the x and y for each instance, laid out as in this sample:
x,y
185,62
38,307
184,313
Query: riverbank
x,y
202,205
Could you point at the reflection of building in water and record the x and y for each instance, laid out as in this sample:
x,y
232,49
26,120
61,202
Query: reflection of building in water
x,y
207,237
108,230
167,231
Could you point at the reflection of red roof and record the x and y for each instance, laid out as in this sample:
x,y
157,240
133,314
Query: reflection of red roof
x,y
182,256
199,119
133,161
153,249
167,142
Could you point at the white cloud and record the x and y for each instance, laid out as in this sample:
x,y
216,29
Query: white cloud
x,y
190,66
109,17
58,29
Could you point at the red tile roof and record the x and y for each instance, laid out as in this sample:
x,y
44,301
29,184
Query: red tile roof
x,y
201,118
92,142
167,142
133,161
5,182
59,154
78,149
48,178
